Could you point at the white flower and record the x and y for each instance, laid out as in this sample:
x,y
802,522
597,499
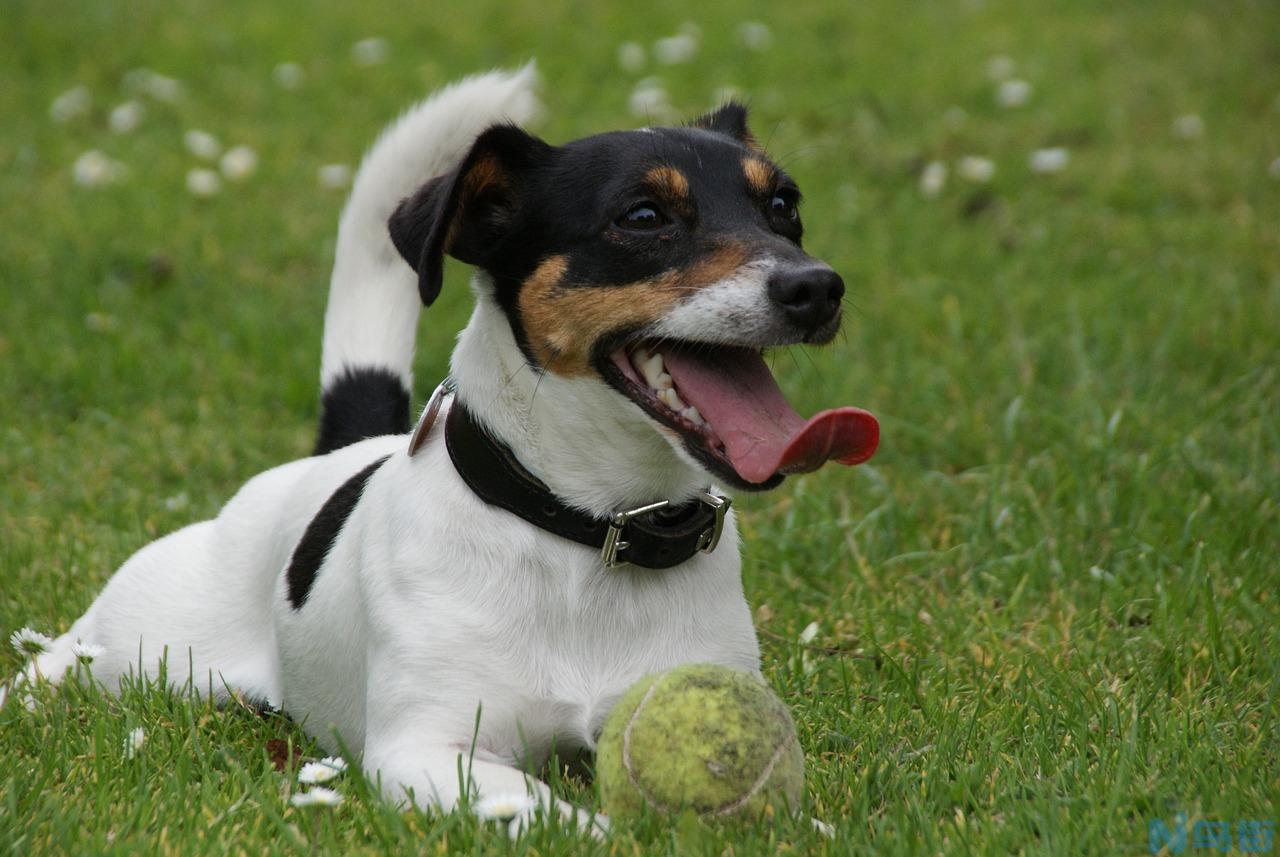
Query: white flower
x,y
30,641
631,56
94,169
125,118
676,49
976,169
1013,93
933,179
649,100
1000,67
1189,126
202,144
177,501
239,162
134,742
70,104
955,117
202,182
1052,160
321,771
318,796
755,36
334,176
86,652
809,633
371,51
288,75
158,86
504,805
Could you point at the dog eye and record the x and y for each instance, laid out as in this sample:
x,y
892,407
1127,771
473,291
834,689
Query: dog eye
x,y
783,204
642,217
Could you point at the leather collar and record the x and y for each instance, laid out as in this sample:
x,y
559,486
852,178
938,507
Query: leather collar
x,y
657,535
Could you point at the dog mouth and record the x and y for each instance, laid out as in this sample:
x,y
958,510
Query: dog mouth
x,y
728,410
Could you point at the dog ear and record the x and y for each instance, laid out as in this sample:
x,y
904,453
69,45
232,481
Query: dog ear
x,y
466,211
729,119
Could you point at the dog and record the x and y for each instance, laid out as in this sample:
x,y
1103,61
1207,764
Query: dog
x,y
483,590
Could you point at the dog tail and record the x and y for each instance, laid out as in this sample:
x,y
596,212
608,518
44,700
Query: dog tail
x,y
366,369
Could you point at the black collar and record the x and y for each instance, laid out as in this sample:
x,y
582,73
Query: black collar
x,y
657,535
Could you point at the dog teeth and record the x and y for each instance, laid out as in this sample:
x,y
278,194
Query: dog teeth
x,y
691,414
662,382
651,368
671,399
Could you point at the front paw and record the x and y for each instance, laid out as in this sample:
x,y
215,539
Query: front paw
x,y
594,824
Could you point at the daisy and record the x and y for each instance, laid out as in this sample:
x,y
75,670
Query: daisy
x,y
631,56
1013,93
202,182
1189,126
649,100
30,642
933,179
334,176
125,118
372,51
238,163
94,169
318,796
1000,68
504,805
674,50
288,75
1052,160
322,771
70,104
202,144
134,742
976,169
86,652
755,36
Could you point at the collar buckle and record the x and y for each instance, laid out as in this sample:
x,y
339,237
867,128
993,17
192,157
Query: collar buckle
x,y
614,543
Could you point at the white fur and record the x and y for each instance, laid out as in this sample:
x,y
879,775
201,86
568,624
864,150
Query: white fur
x,y
734,311
432,605
373,299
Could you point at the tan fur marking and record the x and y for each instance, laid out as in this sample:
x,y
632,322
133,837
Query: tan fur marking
x,y
563,324
671,186
760,175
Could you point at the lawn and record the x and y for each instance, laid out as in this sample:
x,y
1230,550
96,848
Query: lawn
x,y
1045,615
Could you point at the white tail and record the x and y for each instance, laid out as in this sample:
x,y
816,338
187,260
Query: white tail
x,y
373,307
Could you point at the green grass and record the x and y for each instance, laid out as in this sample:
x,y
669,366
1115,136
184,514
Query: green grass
x,y
1047,612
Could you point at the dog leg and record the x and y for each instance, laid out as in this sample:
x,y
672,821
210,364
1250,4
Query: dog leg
x,y
438,774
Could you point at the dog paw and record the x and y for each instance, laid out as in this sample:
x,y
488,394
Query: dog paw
x,y
593,824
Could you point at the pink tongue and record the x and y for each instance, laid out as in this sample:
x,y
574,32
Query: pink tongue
x,y
735,392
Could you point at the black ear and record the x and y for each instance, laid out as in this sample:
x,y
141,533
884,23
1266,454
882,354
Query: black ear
x,y
730,120
466,211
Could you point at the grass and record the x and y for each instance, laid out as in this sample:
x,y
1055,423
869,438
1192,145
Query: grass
x,y
1047,613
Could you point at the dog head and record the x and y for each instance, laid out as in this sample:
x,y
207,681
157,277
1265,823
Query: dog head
x,y
658,262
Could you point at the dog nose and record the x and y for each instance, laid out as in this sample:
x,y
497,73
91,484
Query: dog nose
x,y
809,296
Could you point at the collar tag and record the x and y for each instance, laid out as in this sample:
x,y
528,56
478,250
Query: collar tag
x,y
429,414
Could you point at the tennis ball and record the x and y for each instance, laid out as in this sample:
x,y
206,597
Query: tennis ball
x,y
701,737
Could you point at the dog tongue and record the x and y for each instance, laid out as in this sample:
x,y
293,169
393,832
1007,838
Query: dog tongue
x,y
735,392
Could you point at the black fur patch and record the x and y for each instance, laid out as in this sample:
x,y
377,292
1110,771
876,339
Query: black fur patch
x,y
321,534
361,403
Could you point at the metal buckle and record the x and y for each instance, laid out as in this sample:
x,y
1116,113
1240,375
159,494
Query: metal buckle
x,y
429,414
614,543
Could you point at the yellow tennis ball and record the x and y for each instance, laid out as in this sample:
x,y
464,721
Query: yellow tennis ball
x,y
701,737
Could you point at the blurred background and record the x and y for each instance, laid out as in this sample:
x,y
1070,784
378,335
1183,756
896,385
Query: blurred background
x,y
1060,227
